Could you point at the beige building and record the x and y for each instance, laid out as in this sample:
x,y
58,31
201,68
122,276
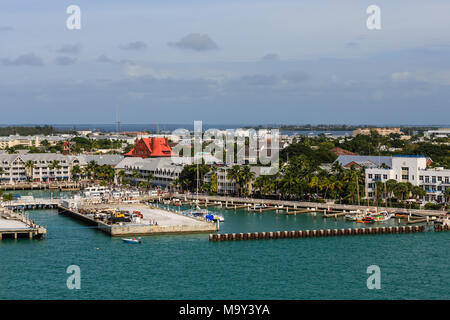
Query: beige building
x,y
380,131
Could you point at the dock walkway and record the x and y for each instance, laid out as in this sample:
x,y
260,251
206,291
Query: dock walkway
x,y
300,205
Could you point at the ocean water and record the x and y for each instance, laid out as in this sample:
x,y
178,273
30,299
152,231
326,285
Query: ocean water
x,y
413,266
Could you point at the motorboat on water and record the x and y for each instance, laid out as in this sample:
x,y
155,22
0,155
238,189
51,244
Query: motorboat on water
x,y
383,216
127,240
354,215
207,215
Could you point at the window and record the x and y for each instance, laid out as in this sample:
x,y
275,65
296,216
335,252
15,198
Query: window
x,y
384,176
370,176
439,178
433,179
421,178
405,177
427,179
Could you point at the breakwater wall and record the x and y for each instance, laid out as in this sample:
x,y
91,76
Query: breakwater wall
x,y
314,233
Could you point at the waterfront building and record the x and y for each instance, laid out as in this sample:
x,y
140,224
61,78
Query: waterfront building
x,y
15,169
162,169
47,166
224,185
150,148
413,169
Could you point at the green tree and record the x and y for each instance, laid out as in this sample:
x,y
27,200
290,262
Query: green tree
x,y
29,166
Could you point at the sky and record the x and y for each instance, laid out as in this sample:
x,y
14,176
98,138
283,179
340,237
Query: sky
x,y
225,62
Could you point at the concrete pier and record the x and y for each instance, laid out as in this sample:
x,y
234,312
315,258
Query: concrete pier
x,y
167,221
14,226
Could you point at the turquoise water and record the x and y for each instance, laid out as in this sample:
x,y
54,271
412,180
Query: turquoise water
x,y
413,266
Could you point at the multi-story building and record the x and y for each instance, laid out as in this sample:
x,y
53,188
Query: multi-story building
x,y
31,141
438,133
380,131
413,169
47,166
163,170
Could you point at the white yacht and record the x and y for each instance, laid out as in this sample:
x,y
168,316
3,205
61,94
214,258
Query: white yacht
x,y
96,191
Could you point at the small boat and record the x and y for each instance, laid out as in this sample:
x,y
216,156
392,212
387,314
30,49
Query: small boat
x,y
366,220
127,240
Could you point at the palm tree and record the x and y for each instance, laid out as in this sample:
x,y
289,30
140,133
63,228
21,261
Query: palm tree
x,y
233,174
447,194
76,171
265,184
2,172
418,192
135,175
391,186
246,177
29,166
54,165
120,174
150,178
8,197
176,183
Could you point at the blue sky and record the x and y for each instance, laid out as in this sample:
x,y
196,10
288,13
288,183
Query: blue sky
x,y
236,62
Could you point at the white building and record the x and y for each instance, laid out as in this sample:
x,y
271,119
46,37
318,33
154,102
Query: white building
x,y
163,170
411,169
47,166
438,133
14,167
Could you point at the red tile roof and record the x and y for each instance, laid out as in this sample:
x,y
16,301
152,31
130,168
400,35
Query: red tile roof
x,y
151,147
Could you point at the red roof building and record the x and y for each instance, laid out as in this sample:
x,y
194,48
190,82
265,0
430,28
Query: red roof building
x,y
151,147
